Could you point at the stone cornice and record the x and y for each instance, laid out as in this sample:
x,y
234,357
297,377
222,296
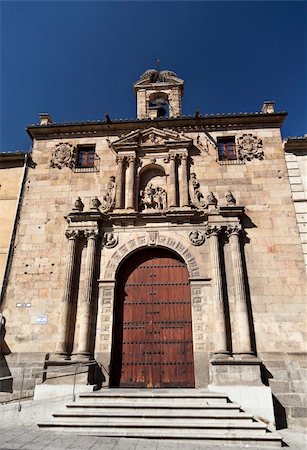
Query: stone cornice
x,y
214,122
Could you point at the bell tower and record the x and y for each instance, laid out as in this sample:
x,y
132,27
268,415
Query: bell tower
x,y
158,94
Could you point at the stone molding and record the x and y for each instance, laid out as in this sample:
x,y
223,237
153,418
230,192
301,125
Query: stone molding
x,y
141,242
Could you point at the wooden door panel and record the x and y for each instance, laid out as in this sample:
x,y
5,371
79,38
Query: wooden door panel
x,y
153,309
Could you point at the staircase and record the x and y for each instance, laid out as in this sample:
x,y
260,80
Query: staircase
x,y
177,414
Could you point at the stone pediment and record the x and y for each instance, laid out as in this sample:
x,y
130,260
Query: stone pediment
x,y
152,139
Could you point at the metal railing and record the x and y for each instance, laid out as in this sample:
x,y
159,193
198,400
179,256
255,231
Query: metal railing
x,y
76,366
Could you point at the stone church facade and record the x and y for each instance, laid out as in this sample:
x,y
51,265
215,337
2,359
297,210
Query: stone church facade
x,y
166,249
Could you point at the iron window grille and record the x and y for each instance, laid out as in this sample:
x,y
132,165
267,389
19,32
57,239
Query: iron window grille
x,y
87,160
227,152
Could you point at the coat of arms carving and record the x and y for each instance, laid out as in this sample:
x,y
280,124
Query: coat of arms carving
x,y
63,155
250,147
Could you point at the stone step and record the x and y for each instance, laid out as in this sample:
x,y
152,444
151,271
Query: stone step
x,y
156,393
154,405
156,421
224,436
159,413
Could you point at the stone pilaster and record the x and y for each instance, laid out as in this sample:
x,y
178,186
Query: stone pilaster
x,y
130,177
62,351
86,303
241,339
183,181
213,232
120,182
172,202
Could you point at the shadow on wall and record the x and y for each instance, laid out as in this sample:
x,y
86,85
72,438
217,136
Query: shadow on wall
x,y
5,385
279,410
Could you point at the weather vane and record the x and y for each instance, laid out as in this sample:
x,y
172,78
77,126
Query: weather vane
x,y
158,64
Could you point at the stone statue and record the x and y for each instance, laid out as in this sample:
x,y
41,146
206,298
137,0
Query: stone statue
x,y
109,198
153,198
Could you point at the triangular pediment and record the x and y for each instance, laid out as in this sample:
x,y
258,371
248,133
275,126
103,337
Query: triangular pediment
x,y
152,138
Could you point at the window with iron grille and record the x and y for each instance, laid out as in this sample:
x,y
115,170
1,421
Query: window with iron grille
x,y
227,150
86,156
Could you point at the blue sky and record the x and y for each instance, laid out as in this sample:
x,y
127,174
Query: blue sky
x,y
78,60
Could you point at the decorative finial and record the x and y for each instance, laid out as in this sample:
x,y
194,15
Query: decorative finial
x,y
78,205
231,201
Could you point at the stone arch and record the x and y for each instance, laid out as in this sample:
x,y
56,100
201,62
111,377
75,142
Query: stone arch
x,y
153,238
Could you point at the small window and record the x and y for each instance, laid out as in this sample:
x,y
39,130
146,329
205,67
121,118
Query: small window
x,y
226,148
86,156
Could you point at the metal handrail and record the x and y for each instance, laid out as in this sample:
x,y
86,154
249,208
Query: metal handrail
x,y
77,366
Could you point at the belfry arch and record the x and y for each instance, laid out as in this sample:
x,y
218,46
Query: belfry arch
x,y
152,344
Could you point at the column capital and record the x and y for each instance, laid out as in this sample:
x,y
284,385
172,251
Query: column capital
x,y
131,159
213,230
91,234
72,234
120,159
170,157
233,229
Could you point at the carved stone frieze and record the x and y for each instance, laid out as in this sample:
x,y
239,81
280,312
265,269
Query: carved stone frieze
x,y
109,240
153,198
249,147
142,241
196,237
109,198
63,155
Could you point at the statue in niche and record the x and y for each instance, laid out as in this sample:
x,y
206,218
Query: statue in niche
x,y
109,197
153,198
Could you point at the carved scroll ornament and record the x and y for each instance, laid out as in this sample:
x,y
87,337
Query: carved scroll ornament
x,y
63,155
250,147
109,198
197,197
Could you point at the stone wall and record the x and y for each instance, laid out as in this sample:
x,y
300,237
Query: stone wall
x,y
273,258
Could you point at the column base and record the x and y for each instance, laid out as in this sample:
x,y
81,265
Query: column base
x,y
81,357
236,370
59,356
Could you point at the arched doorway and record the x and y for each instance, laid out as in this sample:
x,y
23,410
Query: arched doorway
x,y
152,337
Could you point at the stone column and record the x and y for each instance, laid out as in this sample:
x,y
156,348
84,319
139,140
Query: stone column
x,y
129,200
183,181
120,182
240,321
84,332
172,182
62,351
213,232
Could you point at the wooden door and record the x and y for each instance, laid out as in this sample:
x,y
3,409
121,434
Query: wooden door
x,y
152,339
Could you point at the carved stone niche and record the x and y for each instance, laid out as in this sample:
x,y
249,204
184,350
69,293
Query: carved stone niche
x,y
63,155
153,188
249,147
